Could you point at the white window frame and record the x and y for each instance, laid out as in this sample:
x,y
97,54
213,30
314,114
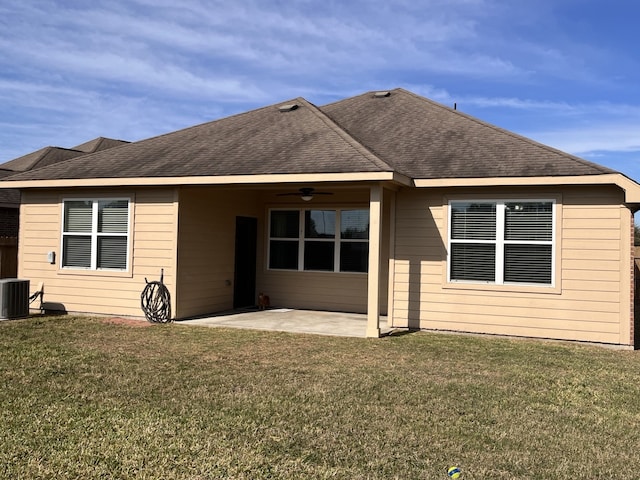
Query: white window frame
x,y
337,240
94,234
500,241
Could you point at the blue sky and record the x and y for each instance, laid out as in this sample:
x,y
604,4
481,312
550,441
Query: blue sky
x,y
562,72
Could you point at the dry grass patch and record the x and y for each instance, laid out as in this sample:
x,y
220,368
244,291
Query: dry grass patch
x,y
130,322
85,398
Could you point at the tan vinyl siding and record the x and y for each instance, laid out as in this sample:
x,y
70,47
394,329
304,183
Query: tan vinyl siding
x,y
190,233
206,258
339,292
152,243
156,217
590,301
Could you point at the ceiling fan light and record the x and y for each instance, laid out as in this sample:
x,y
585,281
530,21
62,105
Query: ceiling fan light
x,y
306,197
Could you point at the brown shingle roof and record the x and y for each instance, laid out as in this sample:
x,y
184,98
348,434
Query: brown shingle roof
x,y
49,155
99,144
262,141
45,157
424,139
40,158
8,195
401,132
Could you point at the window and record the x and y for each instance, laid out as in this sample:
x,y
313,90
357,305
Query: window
x,y
284,239
319,240
354,241
501,242
95,234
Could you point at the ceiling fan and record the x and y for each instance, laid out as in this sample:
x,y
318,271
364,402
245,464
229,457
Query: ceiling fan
x,y
305,193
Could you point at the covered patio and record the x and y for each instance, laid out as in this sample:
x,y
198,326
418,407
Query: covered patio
x,y
293,321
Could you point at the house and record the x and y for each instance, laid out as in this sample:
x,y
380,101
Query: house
x,y
9,203
10,198
385,203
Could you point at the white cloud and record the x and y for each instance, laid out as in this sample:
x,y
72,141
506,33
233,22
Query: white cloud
x,y
182,47
598,138
132,68
578,128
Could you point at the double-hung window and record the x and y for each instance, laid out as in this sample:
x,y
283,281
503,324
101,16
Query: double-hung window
x,y
95,234
331,240
502,242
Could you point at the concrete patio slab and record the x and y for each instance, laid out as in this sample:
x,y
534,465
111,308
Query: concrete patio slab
x,y
291,320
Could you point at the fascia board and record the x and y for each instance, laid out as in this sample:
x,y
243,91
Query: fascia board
x,y
631,188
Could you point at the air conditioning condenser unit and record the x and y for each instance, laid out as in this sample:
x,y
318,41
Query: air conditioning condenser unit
x,y
14,298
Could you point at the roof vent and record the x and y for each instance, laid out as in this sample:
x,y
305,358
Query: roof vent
x,y
288,107
382,94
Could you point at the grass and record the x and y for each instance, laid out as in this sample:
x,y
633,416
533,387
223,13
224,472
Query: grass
x,y
81,398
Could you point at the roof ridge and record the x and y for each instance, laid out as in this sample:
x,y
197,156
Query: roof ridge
x,y
43,153
350,139
35,165
100,141
509,133
355,138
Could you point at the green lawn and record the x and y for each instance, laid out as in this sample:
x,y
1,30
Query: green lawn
x,y
81,398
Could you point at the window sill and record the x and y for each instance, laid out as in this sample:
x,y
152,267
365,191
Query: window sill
x,y
95,273
507,288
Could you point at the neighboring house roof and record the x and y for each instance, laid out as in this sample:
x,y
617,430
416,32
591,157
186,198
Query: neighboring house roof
x,y
50,155
8,196
98,144
45,157
40,158
407,137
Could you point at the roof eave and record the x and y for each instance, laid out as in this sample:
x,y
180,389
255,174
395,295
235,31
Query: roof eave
x,y
631,188
211,180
